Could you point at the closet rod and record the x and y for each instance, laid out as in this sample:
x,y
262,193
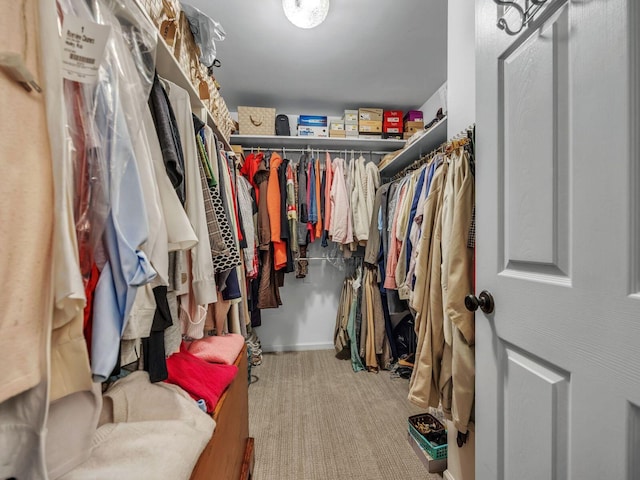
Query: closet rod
x,y
325,258
321,150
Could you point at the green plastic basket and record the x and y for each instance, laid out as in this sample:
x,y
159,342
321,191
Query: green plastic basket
x,y
436,452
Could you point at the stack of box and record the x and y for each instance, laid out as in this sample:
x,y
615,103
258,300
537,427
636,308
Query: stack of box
x,y
312,126
392,125
337,129
370,122
413,122
351,123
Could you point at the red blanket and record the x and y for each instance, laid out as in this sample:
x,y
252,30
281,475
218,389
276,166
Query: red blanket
x,y
199,378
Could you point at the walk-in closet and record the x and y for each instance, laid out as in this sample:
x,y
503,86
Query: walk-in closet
x,y
315,239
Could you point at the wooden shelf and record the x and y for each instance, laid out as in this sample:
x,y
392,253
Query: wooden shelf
x,y
431,140
273,141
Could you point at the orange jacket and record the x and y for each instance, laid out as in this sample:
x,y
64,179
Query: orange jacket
x,y
274,209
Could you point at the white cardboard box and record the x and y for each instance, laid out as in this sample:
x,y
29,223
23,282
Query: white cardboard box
x,y
312,131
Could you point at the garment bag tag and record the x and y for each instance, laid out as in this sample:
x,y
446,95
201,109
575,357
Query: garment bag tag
x,y
14,64
83,44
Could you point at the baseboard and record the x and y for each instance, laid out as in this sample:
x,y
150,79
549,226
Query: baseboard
x,y
447,476
300,347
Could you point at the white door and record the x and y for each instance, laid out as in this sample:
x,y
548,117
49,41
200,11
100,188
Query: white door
x,y
558,215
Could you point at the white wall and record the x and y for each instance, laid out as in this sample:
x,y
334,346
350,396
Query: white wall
x,y
307,317
436,101
461,66
461,106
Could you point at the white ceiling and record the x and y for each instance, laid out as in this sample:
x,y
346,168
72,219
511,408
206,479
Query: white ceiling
x,y
373,53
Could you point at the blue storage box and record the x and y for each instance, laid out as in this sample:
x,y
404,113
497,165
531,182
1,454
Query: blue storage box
x,y
312,121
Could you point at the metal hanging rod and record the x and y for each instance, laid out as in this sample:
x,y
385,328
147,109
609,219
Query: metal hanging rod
x,y
525,14
321,150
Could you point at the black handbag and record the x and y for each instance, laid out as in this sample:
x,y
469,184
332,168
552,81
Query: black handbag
x,y
282,125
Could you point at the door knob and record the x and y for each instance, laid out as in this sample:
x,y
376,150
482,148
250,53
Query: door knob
x,y
484,301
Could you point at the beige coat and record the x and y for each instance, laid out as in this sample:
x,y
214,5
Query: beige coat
x,y
457,379
427,301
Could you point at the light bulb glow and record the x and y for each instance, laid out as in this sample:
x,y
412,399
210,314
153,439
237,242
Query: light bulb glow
x,y
306,13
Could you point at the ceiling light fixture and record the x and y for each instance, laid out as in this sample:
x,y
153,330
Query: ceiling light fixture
x,y
306,13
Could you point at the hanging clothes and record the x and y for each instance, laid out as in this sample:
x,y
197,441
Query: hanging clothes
x,y
424,389
204,286
303,208
458,377
340,230
274,200
318,195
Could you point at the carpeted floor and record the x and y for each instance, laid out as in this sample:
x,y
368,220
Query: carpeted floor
x,y
313,418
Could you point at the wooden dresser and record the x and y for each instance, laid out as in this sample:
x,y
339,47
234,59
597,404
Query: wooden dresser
x,y
229,454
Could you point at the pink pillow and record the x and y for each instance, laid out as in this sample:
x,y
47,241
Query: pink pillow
x,y
219,349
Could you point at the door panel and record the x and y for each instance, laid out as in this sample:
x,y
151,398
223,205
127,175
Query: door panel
x,y
633,443
533,386
534,86
558,229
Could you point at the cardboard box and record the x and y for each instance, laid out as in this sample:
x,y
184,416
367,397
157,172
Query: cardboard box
x,y
413,116
337,126
413,126
392,126
370,126
351,117
407,135
338,133
350,127
393,116
304,131
312,120
370,114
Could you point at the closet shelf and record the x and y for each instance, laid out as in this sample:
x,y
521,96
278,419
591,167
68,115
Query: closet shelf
x,y
431,140
168,67
274,141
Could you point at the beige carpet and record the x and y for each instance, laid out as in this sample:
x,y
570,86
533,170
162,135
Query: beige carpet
x,y
313,418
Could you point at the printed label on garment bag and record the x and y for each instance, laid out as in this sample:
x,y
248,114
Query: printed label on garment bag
x,y
83,44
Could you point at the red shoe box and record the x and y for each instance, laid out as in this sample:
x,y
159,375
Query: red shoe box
x,y
393,116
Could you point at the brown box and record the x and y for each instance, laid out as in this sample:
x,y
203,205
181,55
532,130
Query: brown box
x,y
413,126
338,133
370,126
407,135
370,114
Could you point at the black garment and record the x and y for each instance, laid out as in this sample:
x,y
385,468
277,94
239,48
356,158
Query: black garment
x,y
388,327
325,228
155,361
232,290
303,212
168,136
256,315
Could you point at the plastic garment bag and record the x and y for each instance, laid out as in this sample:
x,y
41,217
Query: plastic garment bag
x,y
117,226
205,31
